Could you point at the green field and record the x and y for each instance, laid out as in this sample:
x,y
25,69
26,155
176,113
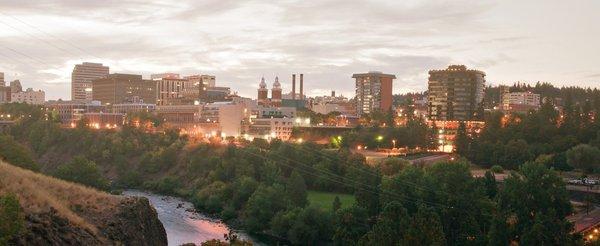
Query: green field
x,y
324,200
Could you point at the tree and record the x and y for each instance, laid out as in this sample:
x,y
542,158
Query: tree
x,y
15,154
489,182
296,189
336,204
584,157
350,225
424,229
390,228
392,165
264,203
533,206
83,171
462,140
11,218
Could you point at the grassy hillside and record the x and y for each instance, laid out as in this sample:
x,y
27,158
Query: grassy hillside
x,y
63,212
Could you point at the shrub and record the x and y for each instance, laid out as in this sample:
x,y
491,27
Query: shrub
x,y
497,169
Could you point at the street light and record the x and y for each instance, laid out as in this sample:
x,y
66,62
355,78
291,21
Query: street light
x,y
379,138
394,143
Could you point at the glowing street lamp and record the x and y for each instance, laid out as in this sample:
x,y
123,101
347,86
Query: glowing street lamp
x,y
394,143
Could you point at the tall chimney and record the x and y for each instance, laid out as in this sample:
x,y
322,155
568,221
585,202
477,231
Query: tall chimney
x,y
301,86
293,86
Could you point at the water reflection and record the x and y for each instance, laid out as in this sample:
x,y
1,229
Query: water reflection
x,y
182,224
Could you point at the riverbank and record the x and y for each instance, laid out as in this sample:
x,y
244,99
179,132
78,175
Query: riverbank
x,y
183,224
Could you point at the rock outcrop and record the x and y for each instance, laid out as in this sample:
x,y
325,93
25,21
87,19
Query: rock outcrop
x,y
57,212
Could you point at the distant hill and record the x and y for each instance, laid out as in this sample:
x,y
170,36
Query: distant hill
x,y
63,213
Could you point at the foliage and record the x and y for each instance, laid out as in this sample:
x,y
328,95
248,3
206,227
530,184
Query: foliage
x,y
14,153
532,207
11,218
83,171
497,169
584,157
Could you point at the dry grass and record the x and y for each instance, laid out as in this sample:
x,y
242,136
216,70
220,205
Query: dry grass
x,y
37,193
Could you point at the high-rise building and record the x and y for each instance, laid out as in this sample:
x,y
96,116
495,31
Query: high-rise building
x,y
81,80
119,88
173,91
373,92
4,90
456,94
201,84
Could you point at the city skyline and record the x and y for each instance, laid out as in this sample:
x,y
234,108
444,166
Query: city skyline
x,y
239,42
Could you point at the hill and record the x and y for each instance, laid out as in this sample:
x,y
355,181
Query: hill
x,y
58,212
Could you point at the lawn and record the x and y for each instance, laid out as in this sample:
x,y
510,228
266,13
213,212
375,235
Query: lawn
x,y
324,200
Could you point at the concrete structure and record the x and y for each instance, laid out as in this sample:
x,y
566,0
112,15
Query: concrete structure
x,y
29,96
520,102
69,112
120,88
373,92
456,93
5,93
201,84
15,86
228,115
270,128
180,115
170,92
346,108
217,94
2,79
160,76
127,108
104,120
81,80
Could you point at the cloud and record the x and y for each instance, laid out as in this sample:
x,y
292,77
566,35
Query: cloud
x,y
240,41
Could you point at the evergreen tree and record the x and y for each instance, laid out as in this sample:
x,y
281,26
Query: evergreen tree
x,y
296,189
336,204
462,140
425,228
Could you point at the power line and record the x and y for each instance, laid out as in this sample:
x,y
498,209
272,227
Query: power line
x,y
416,186
51,35
376,192
39,39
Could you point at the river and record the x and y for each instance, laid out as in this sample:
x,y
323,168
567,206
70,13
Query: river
x,y
182,224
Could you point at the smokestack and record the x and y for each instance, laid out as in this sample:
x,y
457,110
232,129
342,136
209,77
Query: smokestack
x,y
301,86
294,86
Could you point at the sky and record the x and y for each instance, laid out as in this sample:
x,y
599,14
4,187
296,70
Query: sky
x,y
555,41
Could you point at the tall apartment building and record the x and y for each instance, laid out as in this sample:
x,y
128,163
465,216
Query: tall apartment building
x,y
123,88
5,91
373,92
456,94
29,96
81,80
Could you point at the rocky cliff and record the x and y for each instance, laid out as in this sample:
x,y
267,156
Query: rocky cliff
x,y
62,213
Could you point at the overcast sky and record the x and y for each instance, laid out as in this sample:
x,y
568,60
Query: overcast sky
x,y
239,41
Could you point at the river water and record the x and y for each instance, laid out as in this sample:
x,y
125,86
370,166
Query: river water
x,y
182,224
